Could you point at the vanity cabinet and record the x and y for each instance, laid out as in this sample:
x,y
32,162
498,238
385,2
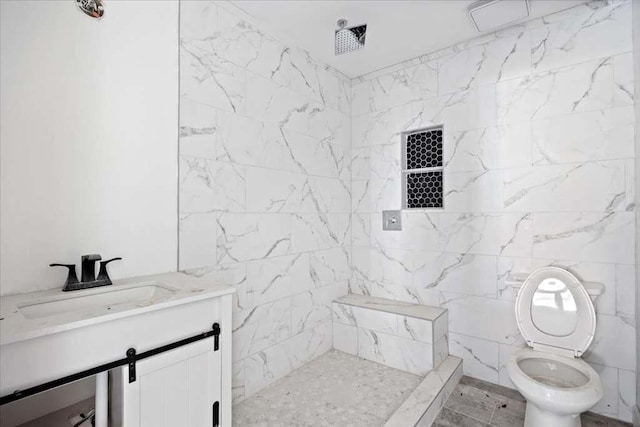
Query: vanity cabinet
x,y
181,387
169,324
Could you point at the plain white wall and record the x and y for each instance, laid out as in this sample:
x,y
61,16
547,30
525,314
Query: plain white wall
x,y
89,129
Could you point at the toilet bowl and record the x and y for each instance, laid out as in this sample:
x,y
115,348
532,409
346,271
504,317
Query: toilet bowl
x,y
556,318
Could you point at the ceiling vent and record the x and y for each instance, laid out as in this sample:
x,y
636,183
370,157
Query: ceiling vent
x,y
490,14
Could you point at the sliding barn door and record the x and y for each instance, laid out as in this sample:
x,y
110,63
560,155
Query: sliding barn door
x,y
180,387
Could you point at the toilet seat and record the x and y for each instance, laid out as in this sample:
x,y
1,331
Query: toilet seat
x,y
554,313
568,400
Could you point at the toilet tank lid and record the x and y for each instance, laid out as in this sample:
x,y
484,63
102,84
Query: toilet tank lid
x,y
554,312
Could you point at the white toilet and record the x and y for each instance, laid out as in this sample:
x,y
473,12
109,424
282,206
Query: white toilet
x,y
557,320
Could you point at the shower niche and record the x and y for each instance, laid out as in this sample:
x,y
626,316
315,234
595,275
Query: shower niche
x,y
422,168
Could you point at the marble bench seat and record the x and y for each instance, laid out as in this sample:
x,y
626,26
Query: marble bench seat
x,y
401,335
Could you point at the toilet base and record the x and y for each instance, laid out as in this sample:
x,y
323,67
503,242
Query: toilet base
x,y
536,417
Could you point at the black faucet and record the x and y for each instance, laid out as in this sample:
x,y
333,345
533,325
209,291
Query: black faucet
x,y
89,267
89,279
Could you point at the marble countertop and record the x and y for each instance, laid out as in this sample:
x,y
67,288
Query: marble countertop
x,y
183,288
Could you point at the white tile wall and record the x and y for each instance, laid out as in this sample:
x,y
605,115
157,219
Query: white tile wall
x,y
285,166
264,186
539,146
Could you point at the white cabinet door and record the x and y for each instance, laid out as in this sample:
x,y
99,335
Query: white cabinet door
x,y
177,388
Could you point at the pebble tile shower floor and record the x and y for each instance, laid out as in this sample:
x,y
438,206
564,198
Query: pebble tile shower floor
x,y
336,389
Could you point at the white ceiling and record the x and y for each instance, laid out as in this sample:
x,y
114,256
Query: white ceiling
x,y
397,30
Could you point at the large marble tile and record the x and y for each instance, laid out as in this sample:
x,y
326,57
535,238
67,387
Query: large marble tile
x,y
609,378
237,381
208,185
583,137
198,130
198,19
343,314
376,195
579,38
576,88
329,266
490,234
498,318
455,272
298,71
249,141
207,80
360,229
269,365
610,347
242,237
240,41
473,191
326,156
395,88
505,58
376,161
325,195
314,307
625,291
399,353
381,269
260,327
440,350
415,329
626,395
311,232
480,357
594,186
229,275
623,75
419,231
505,353
375,320
605,237
386,126
345,338
469,109
270,102
277,277
483,149
273,191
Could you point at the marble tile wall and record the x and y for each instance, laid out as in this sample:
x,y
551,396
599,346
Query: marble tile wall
x,y
399,339
264,186
636,66
539,170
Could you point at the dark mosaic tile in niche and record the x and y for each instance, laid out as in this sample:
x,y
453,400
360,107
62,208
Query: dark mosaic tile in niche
x,y
424,149
424,189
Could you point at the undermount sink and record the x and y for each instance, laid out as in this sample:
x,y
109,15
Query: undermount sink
x,y
103,298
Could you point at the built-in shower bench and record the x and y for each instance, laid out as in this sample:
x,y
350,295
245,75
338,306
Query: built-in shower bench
x,y
405,336
401,335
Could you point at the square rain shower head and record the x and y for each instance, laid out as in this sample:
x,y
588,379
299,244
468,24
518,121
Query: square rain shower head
x,y
350,39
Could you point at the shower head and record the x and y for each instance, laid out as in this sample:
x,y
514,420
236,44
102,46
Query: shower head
x,y
349,39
